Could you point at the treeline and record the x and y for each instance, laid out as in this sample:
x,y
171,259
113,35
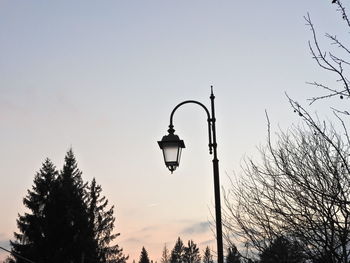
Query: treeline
x,y
189,253
69,220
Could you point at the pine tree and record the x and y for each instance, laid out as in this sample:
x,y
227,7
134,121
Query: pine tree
x,y
207,256
68,221
34,241
144,256
282,250
73,235
233,255
101,221
191,253
165,255
177,254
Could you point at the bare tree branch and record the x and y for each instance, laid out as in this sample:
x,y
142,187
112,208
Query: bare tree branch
x,y
329,61
300,189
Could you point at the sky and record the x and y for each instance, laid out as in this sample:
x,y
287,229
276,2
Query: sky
x,y
102,77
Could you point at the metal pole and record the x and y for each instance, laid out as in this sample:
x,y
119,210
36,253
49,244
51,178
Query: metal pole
x,y
220,249
212,149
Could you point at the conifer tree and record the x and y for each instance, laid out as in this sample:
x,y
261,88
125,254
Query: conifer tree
x,y
34,240
282,250
165,255
177,254
101,221
207,256
144,256
233,255
191,253
73,235
68,221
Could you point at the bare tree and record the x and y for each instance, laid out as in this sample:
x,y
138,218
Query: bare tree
x,y
300,189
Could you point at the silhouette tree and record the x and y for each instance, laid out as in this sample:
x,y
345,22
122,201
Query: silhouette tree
x,y
281,250
144,256
101,221
177,254
74,237
67,222
300,189
165,255
191,253
334,61
233,256
34,241
207,256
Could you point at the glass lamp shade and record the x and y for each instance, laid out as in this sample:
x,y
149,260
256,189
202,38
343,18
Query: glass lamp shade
x,y
171,146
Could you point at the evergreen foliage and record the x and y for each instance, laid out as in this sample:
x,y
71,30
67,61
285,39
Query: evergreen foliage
x,y
144,256
68,221
191,253
233,255
207,256
165,255
101,221
281,250
34,239
177,254
72,233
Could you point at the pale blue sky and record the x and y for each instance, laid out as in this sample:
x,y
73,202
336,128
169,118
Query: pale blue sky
x,y
103,77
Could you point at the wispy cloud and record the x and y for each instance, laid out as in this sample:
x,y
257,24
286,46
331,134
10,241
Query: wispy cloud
x,y
4,241
149,228
132,240
152,205
5,244
197,228
207,242
141,235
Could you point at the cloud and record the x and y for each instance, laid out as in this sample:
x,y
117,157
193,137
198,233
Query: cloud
x,y
149,228
132,240
4,242
141,235
152,205
207,242
197,228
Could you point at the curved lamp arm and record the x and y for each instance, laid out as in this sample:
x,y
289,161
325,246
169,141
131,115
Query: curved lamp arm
x,y
171,126
173,162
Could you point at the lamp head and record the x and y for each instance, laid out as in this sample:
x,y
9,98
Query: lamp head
x,y
171,146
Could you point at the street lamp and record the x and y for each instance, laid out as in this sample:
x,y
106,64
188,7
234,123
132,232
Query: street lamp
x,y
171,146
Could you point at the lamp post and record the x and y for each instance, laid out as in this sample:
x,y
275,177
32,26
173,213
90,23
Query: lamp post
x,y
172,146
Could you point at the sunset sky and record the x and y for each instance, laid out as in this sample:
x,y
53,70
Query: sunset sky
x,y
103,76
